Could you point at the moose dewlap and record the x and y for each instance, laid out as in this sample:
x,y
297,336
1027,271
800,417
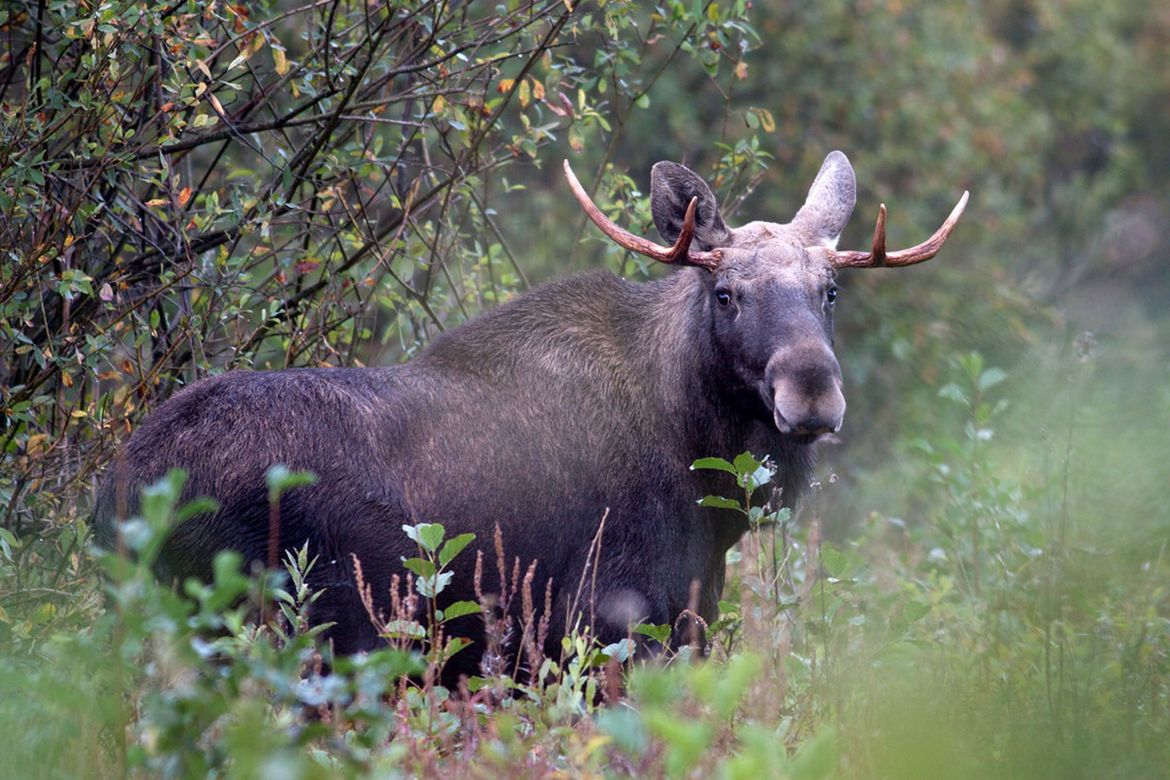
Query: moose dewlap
x,y
585,398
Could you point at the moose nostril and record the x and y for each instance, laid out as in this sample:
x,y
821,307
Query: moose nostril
x,y
815,427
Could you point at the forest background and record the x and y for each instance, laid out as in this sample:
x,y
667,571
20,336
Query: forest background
x,y
978,586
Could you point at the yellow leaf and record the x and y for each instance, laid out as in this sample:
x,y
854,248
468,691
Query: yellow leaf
x,y
184,196
525,94
741,70
596,742
280,60
78,414
216,104
766,120
156,202
505,85
66,380
537,90
201,65
439,104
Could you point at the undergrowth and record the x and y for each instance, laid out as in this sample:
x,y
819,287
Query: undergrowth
x,y
988,636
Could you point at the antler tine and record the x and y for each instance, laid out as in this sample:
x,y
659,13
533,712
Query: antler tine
x,y
680,253
918,253
879,237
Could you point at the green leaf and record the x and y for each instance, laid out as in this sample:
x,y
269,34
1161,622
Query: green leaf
x,y
836,563
686,739
461,608
427,535
781,515
740,672
7,542
197,506
620,651
915,610
757,479
454,645
280,479
433,585
745,463
719,502
420,566
453,547
990,378
404,629
623,725
659,633
972,364
716,464
954,393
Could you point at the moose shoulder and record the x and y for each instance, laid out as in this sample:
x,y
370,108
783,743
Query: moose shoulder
x,y
586,397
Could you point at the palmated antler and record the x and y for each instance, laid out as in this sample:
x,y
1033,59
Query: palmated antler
x,y
878,257
679,254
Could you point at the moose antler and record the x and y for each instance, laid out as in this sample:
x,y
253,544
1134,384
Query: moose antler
x,y
878,257
679,254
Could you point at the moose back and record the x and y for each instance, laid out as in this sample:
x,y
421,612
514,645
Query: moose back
x,y
585,398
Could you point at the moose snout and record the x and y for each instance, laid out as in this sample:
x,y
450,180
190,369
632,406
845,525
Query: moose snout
x,y
806,391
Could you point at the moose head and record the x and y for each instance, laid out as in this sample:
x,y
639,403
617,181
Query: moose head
x,y
770,287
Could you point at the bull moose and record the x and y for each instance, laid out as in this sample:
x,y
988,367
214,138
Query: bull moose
x,y
586,397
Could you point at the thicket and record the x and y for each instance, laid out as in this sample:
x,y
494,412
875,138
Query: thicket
x,y
977,585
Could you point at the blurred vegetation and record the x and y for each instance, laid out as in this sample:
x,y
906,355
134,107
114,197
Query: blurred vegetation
x,y
978,585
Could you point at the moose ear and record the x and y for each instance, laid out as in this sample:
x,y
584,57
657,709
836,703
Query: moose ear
x,y
829,204
671,188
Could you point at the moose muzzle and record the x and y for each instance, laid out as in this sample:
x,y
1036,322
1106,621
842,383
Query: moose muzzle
x,y
805,383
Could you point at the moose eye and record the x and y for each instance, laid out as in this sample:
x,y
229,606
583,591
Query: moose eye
x,y
723,296
831,295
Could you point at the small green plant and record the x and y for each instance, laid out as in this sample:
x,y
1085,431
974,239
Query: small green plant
x,y
752,475
432,578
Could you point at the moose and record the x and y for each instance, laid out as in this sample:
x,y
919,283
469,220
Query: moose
x,y
586,398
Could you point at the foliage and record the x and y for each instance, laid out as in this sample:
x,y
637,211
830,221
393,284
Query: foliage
x,y
975,585
189,187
